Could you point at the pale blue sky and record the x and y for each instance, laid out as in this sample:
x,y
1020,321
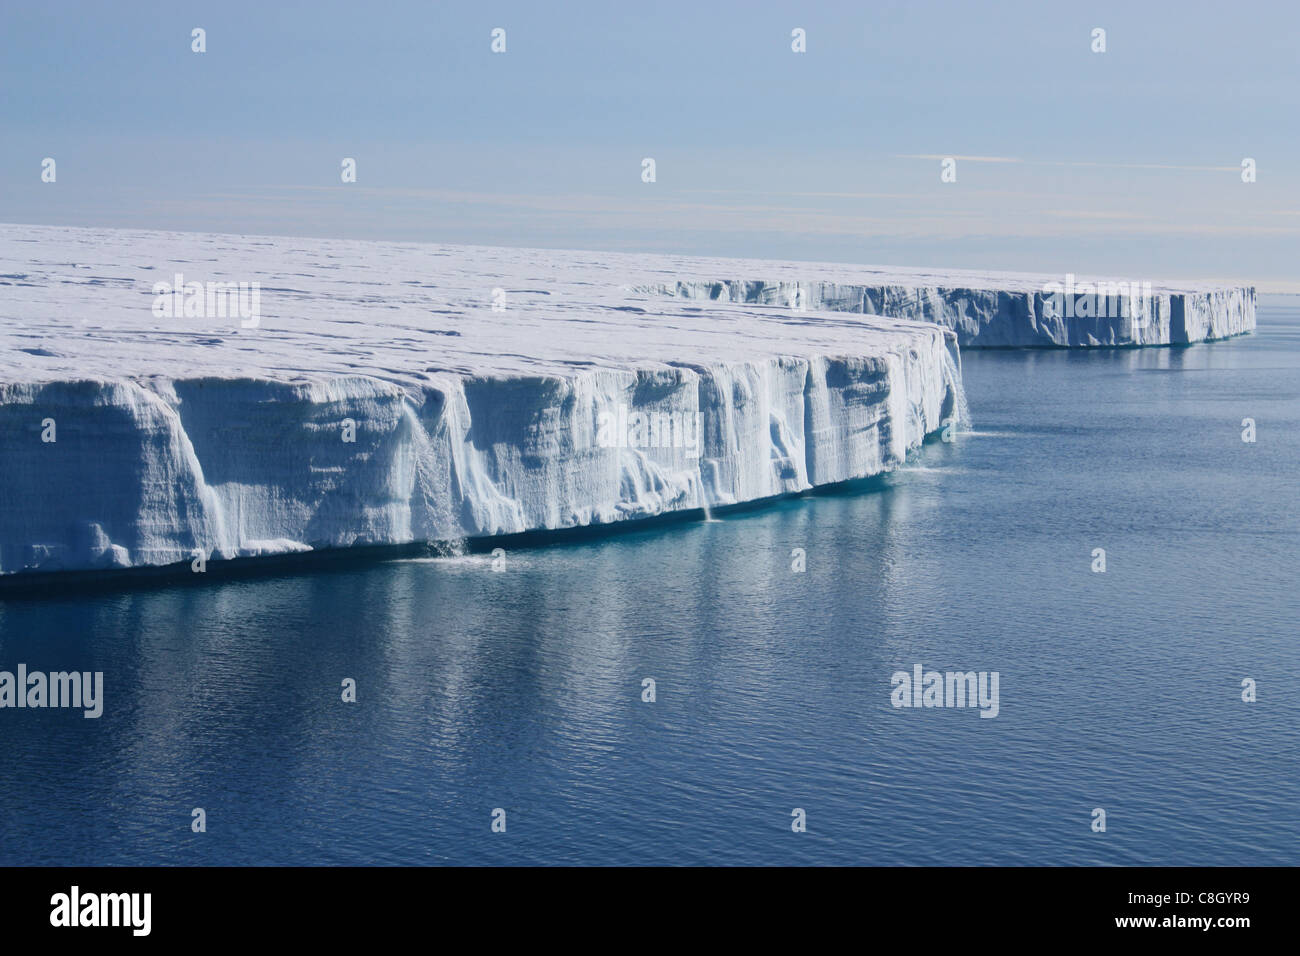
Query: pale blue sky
x,y
1125,162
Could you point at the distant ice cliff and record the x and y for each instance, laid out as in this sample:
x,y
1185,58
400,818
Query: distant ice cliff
x,y
988,310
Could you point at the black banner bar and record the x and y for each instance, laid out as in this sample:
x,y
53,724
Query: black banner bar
x,y
333,906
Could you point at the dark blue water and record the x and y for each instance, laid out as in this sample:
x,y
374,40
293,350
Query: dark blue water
x,y
522,689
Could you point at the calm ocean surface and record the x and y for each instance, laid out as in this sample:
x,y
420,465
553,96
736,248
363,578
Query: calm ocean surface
x,y
522,689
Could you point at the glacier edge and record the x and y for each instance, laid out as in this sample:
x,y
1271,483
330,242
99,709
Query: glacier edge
x,y
158,472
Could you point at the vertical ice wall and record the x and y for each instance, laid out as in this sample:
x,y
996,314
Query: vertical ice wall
x,y
1008,317
156,471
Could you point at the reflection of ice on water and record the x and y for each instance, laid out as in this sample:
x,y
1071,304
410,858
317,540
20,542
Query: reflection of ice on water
x,y
927,470
464,561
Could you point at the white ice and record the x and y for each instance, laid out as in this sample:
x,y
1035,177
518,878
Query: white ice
x,y
178,436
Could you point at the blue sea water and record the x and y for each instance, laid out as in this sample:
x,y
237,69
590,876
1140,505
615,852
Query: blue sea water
x,y
522,689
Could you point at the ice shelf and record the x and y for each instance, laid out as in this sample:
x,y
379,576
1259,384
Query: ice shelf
x,y
388,393
988,310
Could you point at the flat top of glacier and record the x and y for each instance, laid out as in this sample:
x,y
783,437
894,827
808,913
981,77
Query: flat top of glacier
x,y
78,303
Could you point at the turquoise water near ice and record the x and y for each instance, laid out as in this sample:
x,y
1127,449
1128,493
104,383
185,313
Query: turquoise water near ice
x,y
521,689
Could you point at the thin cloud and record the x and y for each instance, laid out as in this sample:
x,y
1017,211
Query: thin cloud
x,y
964,159
1199,169
1068,162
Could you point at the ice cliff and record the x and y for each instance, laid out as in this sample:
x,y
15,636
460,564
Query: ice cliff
x,y
390,393
994,310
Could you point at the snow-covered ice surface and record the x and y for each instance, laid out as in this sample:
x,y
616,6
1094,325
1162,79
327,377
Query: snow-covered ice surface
x,y
181,435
